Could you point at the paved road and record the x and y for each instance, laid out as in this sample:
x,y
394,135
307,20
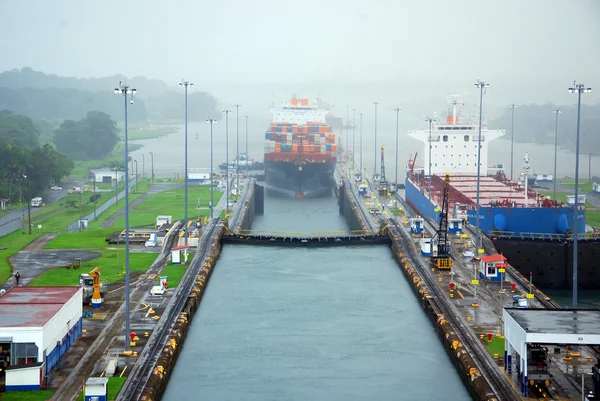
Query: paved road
x,y
49,197
591,198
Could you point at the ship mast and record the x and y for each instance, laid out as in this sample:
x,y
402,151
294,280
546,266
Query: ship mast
x,y
525,174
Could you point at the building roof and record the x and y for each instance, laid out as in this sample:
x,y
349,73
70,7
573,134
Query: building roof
x,y
38,295
33,306
557,321
493,258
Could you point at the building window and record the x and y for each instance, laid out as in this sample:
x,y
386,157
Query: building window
x,y
445,138
491,269
466,138
24,353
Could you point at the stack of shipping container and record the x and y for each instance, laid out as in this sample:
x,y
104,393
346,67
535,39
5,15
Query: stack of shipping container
x,y
312,137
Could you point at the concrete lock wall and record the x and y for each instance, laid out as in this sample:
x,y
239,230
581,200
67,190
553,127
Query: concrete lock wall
x,y
477,385
349,210
248,209
166,361
259,200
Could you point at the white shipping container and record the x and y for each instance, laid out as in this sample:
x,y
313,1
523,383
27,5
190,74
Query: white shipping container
x,y
323,148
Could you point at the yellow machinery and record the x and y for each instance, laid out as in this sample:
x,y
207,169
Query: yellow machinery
x,y
440,251
93,290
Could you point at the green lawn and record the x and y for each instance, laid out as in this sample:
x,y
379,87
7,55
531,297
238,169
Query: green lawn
x,y
111,265
496,346
593,217
92,238
175,273
170,203
395,211
114,386
40,395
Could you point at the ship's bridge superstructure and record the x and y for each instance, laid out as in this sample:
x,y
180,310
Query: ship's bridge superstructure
x,y
454,144
299,111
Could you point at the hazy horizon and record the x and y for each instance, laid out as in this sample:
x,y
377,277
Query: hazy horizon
x,y
529,51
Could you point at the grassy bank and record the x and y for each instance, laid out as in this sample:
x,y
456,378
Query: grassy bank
x,y
170,203
57,222
111,265
39,395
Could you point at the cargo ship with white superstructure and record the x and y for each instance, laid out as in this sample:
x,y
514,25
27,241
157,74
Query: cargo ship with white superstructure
x,y
300,151
534,232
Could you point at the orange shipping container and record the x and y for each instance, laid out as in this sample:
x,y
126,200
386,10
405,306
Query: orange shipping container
x,y
334,147
304,102
294,101
295,148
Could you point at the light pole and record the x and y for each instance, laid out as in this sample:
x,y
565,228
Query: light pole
x,y
360,135
512,136
347,130
186,85
397,110
430,121
152,166
227,156
125,90
29,204
247,165
143,166
211,121
557,112
237,150
353,141
136,176
579,89
481,86
375,162
590,167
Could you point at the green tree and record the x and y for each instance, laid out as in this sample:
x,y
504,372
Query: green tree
x,y
18,130
92,137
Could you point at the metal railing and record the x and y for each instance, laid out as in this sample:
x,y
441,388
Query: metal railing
x,y
311,234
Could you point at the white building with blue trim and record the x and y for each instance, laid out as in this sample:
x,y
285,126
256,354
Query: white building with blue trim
x,y
37,326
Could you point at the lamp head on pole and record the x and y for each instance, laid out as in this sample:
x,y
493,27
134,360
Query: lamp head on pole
x,y
557,111
184,83
579,88
481,84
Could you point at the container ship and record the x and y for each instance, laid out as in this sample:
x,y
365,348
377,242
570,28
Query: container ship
x,y
300,151
534,232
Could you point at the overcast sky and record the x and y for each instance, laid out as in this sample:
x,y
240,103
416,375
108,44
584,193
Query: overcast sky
x,y
306,40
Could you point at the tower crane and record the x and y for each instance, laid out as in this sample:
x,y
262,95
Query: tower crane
x,y
440,250
383,184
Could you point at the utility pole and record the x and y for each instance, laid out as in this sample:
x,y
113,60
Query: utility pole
x,y
512,136
211,121
579,89
136,176
557,112
361,149
375,161
237,151
227,156
353,137
125,90
143,166
481,86
152,166
29,203
186,85
247,157
590,167
397,110
430,121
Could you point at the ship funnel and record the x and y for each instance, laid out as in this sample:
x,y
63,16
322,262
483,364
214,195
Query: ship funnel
x,y
294,101
304,102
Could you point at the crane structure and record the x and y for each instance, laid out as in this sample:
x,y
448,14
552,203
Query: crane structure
x,y
440,250
383,184
93,290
